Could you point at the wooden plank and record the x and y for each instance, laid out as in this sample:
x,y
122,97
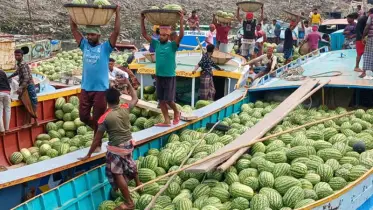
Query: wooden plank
x,y
259,129
153,107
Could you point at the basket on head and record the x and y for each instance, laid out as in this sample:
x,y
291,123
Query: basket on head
x,y
224,20
249,6
150,57
162,17
220,58
304,48
96,15
291,16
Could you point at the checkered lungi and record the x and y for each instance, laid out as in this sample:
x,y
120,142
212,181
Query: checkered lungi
x,y
206,89
368,55
119,161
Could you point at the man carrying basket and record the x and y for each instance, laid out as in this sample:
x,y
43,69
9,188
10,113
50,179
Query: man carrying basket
x,y
165,68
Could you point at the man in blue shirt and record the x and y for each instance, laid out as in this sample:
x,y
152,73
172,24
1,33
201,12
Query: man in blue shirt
x,y
95,80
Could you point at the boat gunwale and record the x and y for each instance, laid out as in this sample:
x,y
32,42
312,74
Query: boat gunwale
x,y
139,143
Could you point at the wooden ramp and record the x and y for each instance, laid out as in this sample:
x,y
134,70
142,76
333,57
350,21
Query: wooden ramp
x,y
153,107
259,129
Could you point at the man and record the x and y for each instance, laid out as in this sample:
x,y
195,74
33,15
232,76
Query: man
x,y
26,90
165,69
154,36
264,64
261,37
360,11
248,39
306,29
316,18
269,30
360,26
210,35
120,167
313,39
288,43
222,31
116,74
349,33
207,89
4,103
193,21
368,51
277,30
95,79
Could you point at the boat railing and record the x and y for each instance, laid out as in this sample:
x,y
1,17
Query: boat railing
x,y
298,62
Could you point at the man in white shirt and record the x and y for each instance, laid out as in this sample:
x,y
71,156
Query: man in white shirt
x,y
265,63
116,74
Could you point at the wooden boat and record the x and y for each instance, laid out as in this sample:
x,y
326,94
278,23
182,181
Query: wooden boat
x,y
88,190
19,183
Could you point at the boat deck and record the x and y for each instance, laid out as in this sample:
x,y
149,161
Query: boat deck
x,y
326,62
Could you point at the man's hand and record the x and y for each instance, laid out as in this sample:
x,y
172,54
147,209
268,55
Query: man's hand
x,y
19,92
117,10
123,81
84,158
181,13
194,71
142,16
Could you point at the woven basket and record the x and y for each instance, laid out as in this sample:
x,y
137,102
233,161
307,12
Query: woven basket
x,y
150,57
304,48
291,16
220,58
249,6
224,20
162,17
90,14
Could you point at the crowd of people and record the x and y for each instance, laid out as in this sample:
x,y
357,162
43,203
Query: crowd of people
x,y
103,82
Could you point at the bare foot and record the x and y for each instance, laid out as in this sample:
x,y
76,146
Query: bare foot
x,y
358,70
362,75
2,133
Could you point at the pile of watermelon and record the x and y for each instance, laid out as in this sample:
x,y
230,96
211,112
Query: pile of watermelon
x,y
283,173
66,135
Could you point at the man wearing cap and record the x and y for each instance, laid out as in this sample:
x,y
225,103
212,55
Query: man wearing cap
x,y
165,68
248,40
95,80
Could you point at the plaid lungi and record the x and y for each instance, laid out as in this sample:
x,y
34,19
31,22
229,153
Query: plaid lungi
x,y
30,100
368,55
119,164
206,89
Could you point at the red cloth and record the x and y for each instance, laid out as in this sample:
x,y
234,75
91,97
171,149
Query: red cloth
x,y
89,99
360,48
249,15
222,33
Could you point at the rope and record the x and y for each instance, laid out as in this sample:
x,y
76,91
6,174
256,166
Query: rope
x,y
296,74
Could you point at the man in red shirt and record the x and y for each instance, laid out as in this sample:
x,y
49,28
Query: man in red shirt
x,y
193,21
222,31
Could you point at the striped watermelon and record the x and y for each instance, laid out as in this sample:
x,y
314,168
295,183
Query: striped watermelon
x,y
143,201
323,190
298,151
226,139
315,135
333,163
230,178
339,137
356,172
281,169
325,172
173,189
274,198
258,147
220,193
163,201
59,103
211,138
201,190
259,202
151,189
240,203
184,204
284,183
150,162
25,153
329,153
52,153
242,164
44,148
329,132
311,194
266,179
239,190
306,184
298,170
313,178
293,195
63,149
249,172
146,174
276,157
337,183
252,182
16,158
303,203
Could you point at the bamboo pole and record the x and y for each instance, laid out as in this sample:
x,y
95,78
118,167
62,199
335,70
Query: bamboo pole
x,y
234,149
154,199
242,151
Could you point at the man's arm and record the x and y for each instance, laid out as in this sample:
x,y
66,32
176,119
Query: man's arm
x,y
132,92
115,34
26,79
181,33
274,63
238,15
255,60
13,75
143,30
366,29
214,20
76,34
96,143
261,15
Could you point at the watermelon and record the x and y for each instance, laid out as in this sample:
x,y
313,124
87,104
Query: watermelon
x,y
51,126
67,108
239,190
240,203
60,102
59,114
284,183
16,158
74,100
293,196
69,126
266,179
259,202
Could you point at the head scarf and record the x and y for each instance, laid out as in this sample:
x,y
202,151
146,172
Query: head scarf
x,y
249,15
315,28
93,30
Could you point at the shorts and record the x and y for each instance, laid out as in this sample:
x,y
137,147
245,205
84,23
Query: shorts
x,y
360,46
288,53
247,47
166,88
89,99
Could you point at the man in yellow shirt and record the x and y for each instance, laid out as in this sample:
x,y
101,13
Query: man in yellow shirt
x,y
316,18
